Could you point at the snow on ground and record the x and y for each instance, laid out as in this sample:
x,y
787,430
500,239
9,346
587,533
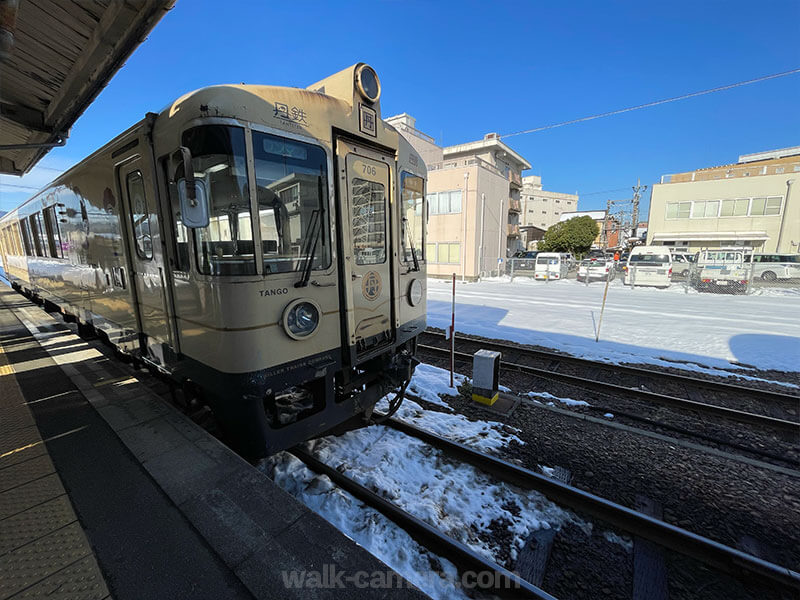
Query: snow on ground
x,y
378,535
567,401
457,499
485,436
428,383
695,331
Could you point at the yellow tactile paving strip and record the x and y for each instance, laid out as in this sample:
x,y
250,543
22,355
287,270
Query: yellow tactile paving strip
x,y
44,552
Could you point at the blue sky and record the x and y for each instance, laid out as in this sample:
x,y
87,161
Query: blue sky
x,y
467,68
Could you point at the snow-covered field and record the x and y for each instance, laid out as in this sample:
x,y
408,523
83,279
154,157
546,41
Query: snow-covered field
x,y
701,332
461,501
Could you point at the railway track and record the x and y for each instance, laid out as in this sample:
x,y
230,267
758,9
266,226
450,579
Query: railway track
x,y
767,422
769,396
745,567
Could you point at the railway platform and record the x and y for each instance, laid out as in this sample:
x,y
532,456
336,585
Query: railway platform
x,y
106,490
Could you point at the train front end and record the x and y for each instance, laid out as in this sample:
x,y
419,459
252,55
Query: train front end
x,y
298,267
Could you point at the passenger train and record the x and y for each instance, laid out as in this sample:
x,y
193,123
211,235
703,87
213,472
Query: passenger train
x,y
262,246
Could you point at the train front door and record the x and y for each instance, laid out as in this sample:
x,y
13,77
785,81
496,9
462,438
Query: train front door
x,y
139,214
365,193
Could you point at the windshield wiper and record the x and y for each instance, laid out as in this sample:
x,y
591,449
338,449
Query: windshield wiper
x,y
411,244
310,249
315,232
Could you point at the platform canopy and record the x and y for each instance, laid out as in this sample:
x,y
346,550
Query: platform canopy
x,y
55,57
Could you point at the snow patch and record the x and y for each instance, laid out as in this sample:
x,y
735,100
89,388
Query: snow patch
x,y
461,501
378,535
625,542
486,436
430,383
567,401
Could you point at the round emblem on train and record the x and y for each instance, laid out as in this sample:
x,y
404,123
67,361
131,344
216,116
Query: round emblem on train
x,y
371,285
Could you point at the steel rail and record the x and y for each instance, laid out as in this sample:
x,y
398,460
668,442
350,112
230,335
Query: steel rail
x,y
600,386
724,558
507,584
720,386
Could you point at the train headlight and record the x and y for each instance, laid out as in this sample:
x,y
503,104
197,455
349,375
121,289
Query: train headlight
x,y
368,84
301,319
415,292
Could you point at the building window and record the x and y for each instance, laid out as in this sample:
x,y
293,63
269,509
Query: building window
x,y
444,253
678,210
778,170
766,206
735,208
445,203
705,208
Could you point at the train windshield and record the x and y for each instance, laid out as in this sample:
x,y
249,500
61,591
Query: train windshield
x,y
292,196
219,160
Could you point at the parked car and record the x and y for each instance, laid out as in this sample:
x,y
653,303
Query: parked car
x,y
596,268
682,263
551,265
525,261
649,266
770,267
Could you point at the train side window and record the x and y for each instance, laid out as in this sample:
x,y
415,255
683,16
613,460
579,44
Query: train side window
x,y
179,232
44,244
140,216
53,232
35,221
413,225
26,237
15,236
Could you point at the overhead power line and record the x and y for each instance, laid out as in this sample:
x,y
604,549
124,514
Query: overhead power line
x,y
656,103
21,187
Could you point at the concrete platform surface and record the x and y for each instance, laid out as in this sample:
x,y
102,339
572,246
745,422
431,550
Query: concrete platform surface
x,y
106,489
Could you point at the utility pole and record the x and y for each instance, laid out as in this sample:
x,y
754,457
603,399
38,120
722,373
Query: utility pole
x,y
605,223
636,195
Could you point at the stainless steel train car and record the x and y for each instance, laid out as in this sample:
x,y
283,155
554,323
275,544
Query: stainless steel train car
x,y
262,246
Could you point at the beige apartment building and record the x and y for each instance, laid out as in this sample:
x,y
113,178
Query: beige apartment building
x,y
541,208
473,193
752,203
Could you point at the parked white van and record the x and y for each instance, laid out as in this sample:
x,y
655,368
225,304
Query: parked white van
x,y
649,265
722,269
770,267
551,265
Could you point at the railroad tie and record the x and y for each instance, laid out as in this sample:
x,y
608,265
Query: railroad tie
x,y
532,559
649,567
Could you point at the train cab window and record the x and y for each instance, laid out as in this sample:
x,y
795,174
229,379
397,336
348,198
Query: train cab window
x,y
292,186
219,159
53,232
140,215
413,224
